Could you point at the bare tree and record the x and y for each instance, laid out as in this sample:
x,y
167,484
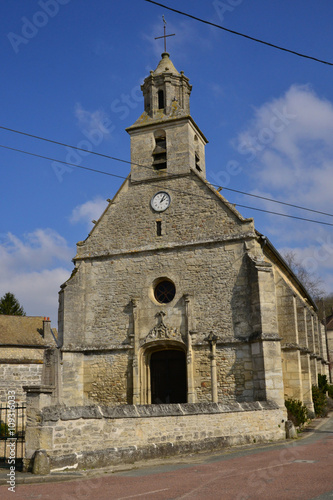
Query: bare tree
x,y
313,283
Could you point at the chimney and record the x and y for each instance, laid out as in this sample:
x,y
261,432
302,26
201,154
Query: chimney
x,y
47,334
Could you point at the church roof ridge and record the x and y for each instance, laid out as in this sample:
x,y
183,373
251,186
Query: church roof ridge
x,y
230,206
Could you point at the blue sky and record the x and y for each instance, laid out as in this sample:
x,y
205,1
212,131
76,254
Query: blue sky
x,y
71,71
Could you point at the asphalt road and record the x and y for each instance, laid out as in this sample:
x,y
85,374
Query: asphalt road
x,y
302,470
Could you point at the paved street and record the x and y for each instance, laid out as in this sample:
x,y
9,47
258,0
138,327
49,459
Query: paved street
x,y
299,470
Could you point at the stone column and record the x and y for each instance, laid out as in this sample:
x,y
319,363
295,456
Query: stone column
x,y
189,359
51,372
135,362
304,354
37,437
317,344
288,331
313,355
72,378
306,379
212,339
265,347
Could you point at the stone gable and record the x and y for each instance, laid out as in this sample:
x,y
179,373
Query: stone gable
x,y
197,213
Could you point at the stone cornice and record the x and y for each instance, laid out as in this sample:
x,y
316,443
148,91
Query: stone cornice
x,y
92,349
291,347
170,247
55,413
264,336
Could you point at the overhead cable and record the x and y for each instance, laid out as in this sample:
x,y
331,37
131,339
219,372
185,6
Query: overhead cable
x,y
145,166
171,189
258,40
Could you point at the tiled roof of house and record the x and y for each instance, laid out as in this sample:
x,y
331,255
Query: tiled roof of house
x,y
22,330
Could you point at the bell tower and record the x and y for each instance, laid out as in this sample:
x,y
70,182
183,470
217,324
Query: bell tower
x,y
165,140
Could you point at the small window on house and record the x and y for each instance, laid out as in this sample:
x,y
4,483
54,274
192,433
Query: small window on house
x,y
160,152
197,162
161,99
158,228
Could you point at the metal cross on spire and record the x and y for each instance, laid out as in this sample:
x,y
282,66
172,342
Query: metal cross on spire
x,y
165,36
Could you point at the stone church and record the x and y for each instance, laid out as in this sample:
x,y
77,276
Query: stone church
x,y
175,297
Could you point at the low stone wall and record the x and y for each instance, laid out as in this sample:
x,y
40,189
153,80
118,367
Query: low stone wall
x,y
13,375
95,436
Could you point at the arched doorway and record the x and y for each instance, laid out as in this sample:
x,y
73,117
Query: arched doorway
x,y
168,377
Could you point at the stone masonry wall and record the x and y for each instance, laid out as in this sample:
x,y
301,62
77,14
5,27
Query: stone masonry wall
x,y
13,376
195,213
106,378
96,436
234,373
213,276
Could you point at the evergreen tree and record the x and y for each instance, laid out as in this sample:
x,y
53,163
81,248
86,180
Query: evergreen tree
x,y
10,305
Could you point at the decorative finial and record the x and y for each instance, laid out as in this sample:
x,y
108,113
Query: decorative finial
x,y
165,36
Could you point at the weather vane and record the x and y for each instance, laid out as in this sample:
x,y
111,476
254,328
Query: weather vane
x,y
165,35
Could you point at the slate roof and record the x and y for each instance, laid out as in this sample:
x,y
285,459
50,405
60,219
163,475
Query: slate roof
x,y
21,330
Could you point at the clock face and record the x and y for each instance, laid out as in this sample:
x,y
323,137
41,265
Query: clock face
x,y
160,201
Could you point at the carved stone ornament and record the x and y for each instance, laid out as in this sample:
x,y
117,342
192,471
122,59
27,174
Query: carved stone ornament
x,y
162,331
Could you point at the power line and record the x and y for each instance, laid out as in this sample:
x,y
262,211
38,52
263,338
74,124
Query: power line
x,y
64,144
274,201
171,189
240,34
284,215
64,162
145,166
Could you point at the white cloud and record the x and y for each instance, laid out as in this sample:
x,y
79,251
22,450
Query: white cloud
x,y
33,268
288,150
289,146
37,291
88,211
91,122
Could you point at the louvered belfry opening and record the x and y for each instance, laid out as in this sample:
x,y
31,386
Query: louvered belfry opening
x,y
160,151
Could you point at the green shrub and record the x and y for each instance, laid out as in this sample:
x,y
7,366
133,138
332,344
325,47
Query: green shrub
x,y
319,401
330,391
297,412
3,429
322,383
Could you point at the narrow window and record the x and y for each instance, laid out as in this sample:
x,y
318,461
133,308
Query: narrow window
x,y
160,99
197,162
160,152
147,102
158,228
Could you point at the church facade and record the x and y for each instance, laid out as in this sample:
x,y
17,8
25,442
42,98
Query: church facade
x,y
175,297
